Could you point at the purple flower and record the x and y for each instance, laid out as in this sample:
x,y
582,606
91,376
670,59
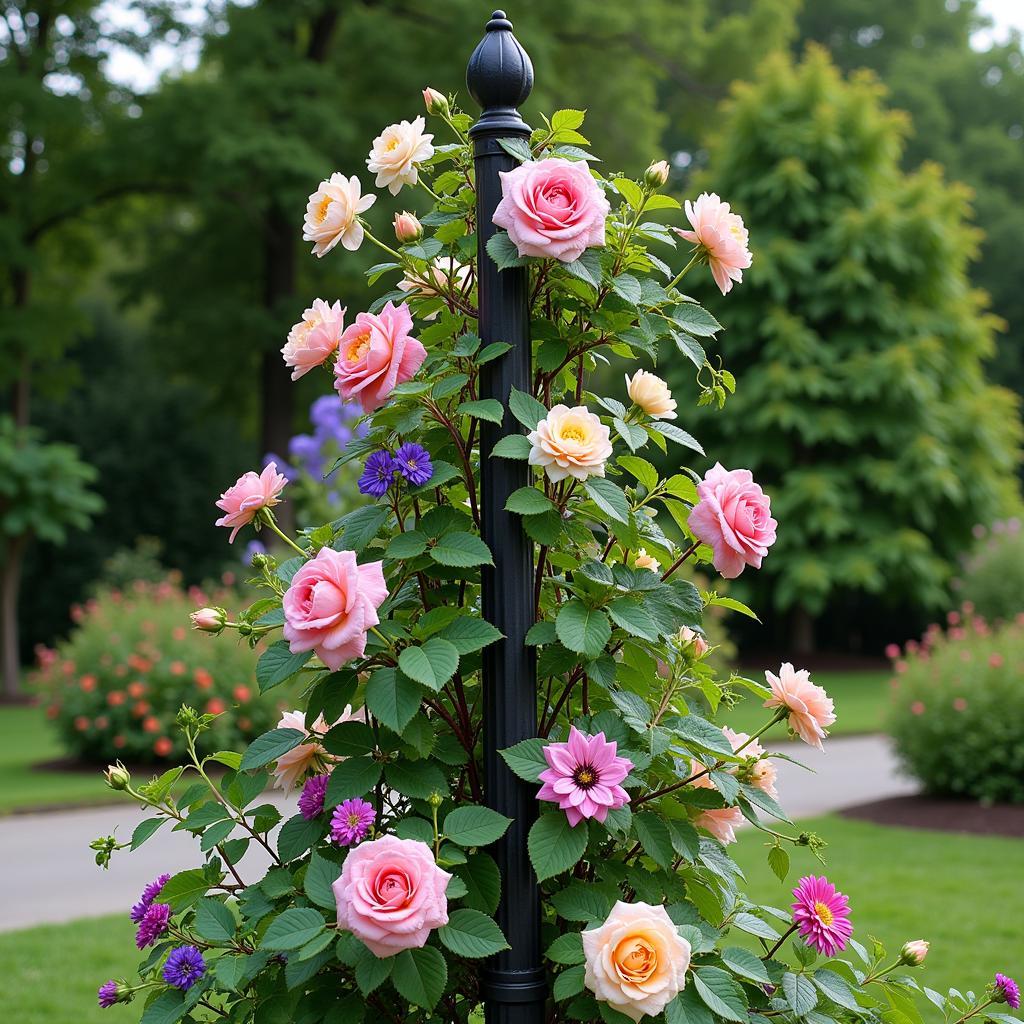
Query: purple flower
x,y
150,893
1007,991
152,925
108,994
413,462
351,821
584,776
184,967
311,802
377,474
308,451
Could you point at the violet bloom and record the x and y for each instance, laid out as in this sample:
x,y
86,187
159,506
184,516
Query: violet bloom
x,y
413,462
1006,990
152,925
107,994
311,802
821,915
378,474
351,821
150,893
184,967
584,776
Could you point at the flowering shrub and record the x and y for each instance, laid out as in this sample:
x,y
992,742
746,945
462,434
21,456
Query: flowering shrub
x,y
991,577
958,708
114,686
381,894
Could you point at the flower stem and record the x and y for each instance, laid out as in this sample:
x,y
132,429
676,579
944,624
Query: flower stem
x,y
269,522
782,938
682,273
381,245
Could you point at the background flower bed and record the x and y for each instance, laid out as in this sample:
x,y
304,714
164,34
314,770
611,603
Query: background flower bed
x,y
992,575
958,713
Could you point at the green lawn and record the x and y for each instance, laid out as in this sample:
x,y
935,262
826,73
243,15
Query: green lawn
x,y
961,893
861,699
27,739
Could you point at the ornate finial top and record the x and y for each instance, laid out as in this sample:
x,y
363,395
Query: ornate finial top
x,y
499,77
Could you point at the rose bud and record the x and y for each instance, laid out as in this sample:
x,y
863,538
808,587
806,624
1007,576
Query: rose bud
x,y
651,393
913,953
209,620
407,228
117,776
657,174
694,641
435,102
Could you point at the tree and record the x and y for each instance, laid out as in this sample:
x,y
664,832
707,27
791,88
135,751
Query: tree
x,y
863,407
45,490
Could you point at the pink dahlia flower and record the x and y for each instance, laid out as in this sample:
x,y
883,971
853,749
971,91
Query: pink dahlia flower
x,y
721,236
584,776
822,915
811,710
734,516
243,500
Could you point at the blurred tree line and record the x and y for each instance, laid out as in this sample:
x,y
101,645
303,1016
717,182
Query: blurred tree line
x,y
152,259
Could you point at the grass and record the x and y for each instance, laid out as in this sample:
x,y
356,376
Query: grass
x,y
861,699
27,739
961,893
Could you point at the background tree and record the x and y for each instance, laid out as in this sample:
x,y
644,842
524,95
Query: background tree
x,y
864,409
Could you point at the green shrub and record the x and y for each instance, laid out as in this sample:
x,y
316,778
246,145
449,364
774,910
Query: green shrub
x,y
115,685
992,578
958,714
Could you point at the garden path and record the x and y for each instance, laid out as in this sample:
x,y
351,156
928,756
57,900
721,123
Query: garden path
x,y
49,876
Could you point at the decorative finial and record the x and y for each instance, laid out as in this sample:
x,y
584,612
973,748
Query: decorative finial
x,y
499,77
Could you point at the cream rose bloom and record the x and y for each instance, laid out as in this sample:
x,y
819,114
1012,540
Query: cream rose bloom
x,y
636,961
651,393
646,561
332,214
570,442
397,151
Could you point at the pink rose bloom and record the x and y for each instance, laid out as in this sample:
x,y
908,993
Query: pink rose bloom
x,y
391,894
763,773
552,208
331,604
721,235
291,767
734,517
721,822
376,354
811,709
314,339
243,500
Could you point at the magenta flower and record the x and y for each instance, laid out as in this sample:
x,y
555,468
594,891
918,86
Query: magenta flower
x,y
351,821
584,776
311,802
149,894
1007,991
107,994
153,925
821,915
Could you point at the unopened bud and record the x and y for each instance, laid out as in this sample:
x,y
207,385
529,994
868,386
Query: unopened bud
x,y
111,992
435,799
435,102
913,953
407,228
209,620
117,776
657,174
693,642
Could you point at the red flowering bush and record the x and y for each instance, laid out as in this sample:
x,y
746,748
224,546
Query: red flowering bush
x,y
114,686
958,708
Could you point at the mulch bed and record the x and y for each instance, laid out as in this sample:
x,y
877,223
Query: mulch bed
x,y
939,815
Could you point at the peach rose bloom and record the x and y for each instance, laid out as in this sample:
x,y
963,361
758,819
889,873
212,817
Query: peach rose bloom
x,y
331,604
314,339
391,895
570,442
247,496
332,214
651,393
721,822
291,768
763,773
636,961
646,561
733,516
811,710
721,236
552,208
397,151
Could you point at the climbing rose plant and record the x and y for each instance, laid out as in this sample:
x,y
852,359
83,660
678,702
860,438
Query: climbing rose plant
x,y
380,895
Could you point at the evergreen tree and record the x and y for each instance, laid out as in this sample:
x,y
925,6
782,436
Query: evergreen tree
x,y
863,407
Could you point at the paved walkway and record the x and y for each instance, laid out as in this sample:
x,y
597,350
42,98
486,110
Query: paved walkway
x,y
48,873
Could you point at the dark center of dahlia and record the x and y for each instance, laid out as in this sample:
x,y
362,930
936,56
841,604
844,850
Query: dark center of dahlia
x,y
585,776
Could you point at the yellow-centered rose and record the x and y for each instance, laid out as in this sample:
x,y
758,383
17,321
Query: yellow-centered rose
x,y
651,393
570,442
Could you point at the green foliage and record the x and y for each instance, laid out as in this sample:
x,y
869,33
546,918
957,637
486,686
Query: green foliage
x,y
958,711
991,577
115,685
862,409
